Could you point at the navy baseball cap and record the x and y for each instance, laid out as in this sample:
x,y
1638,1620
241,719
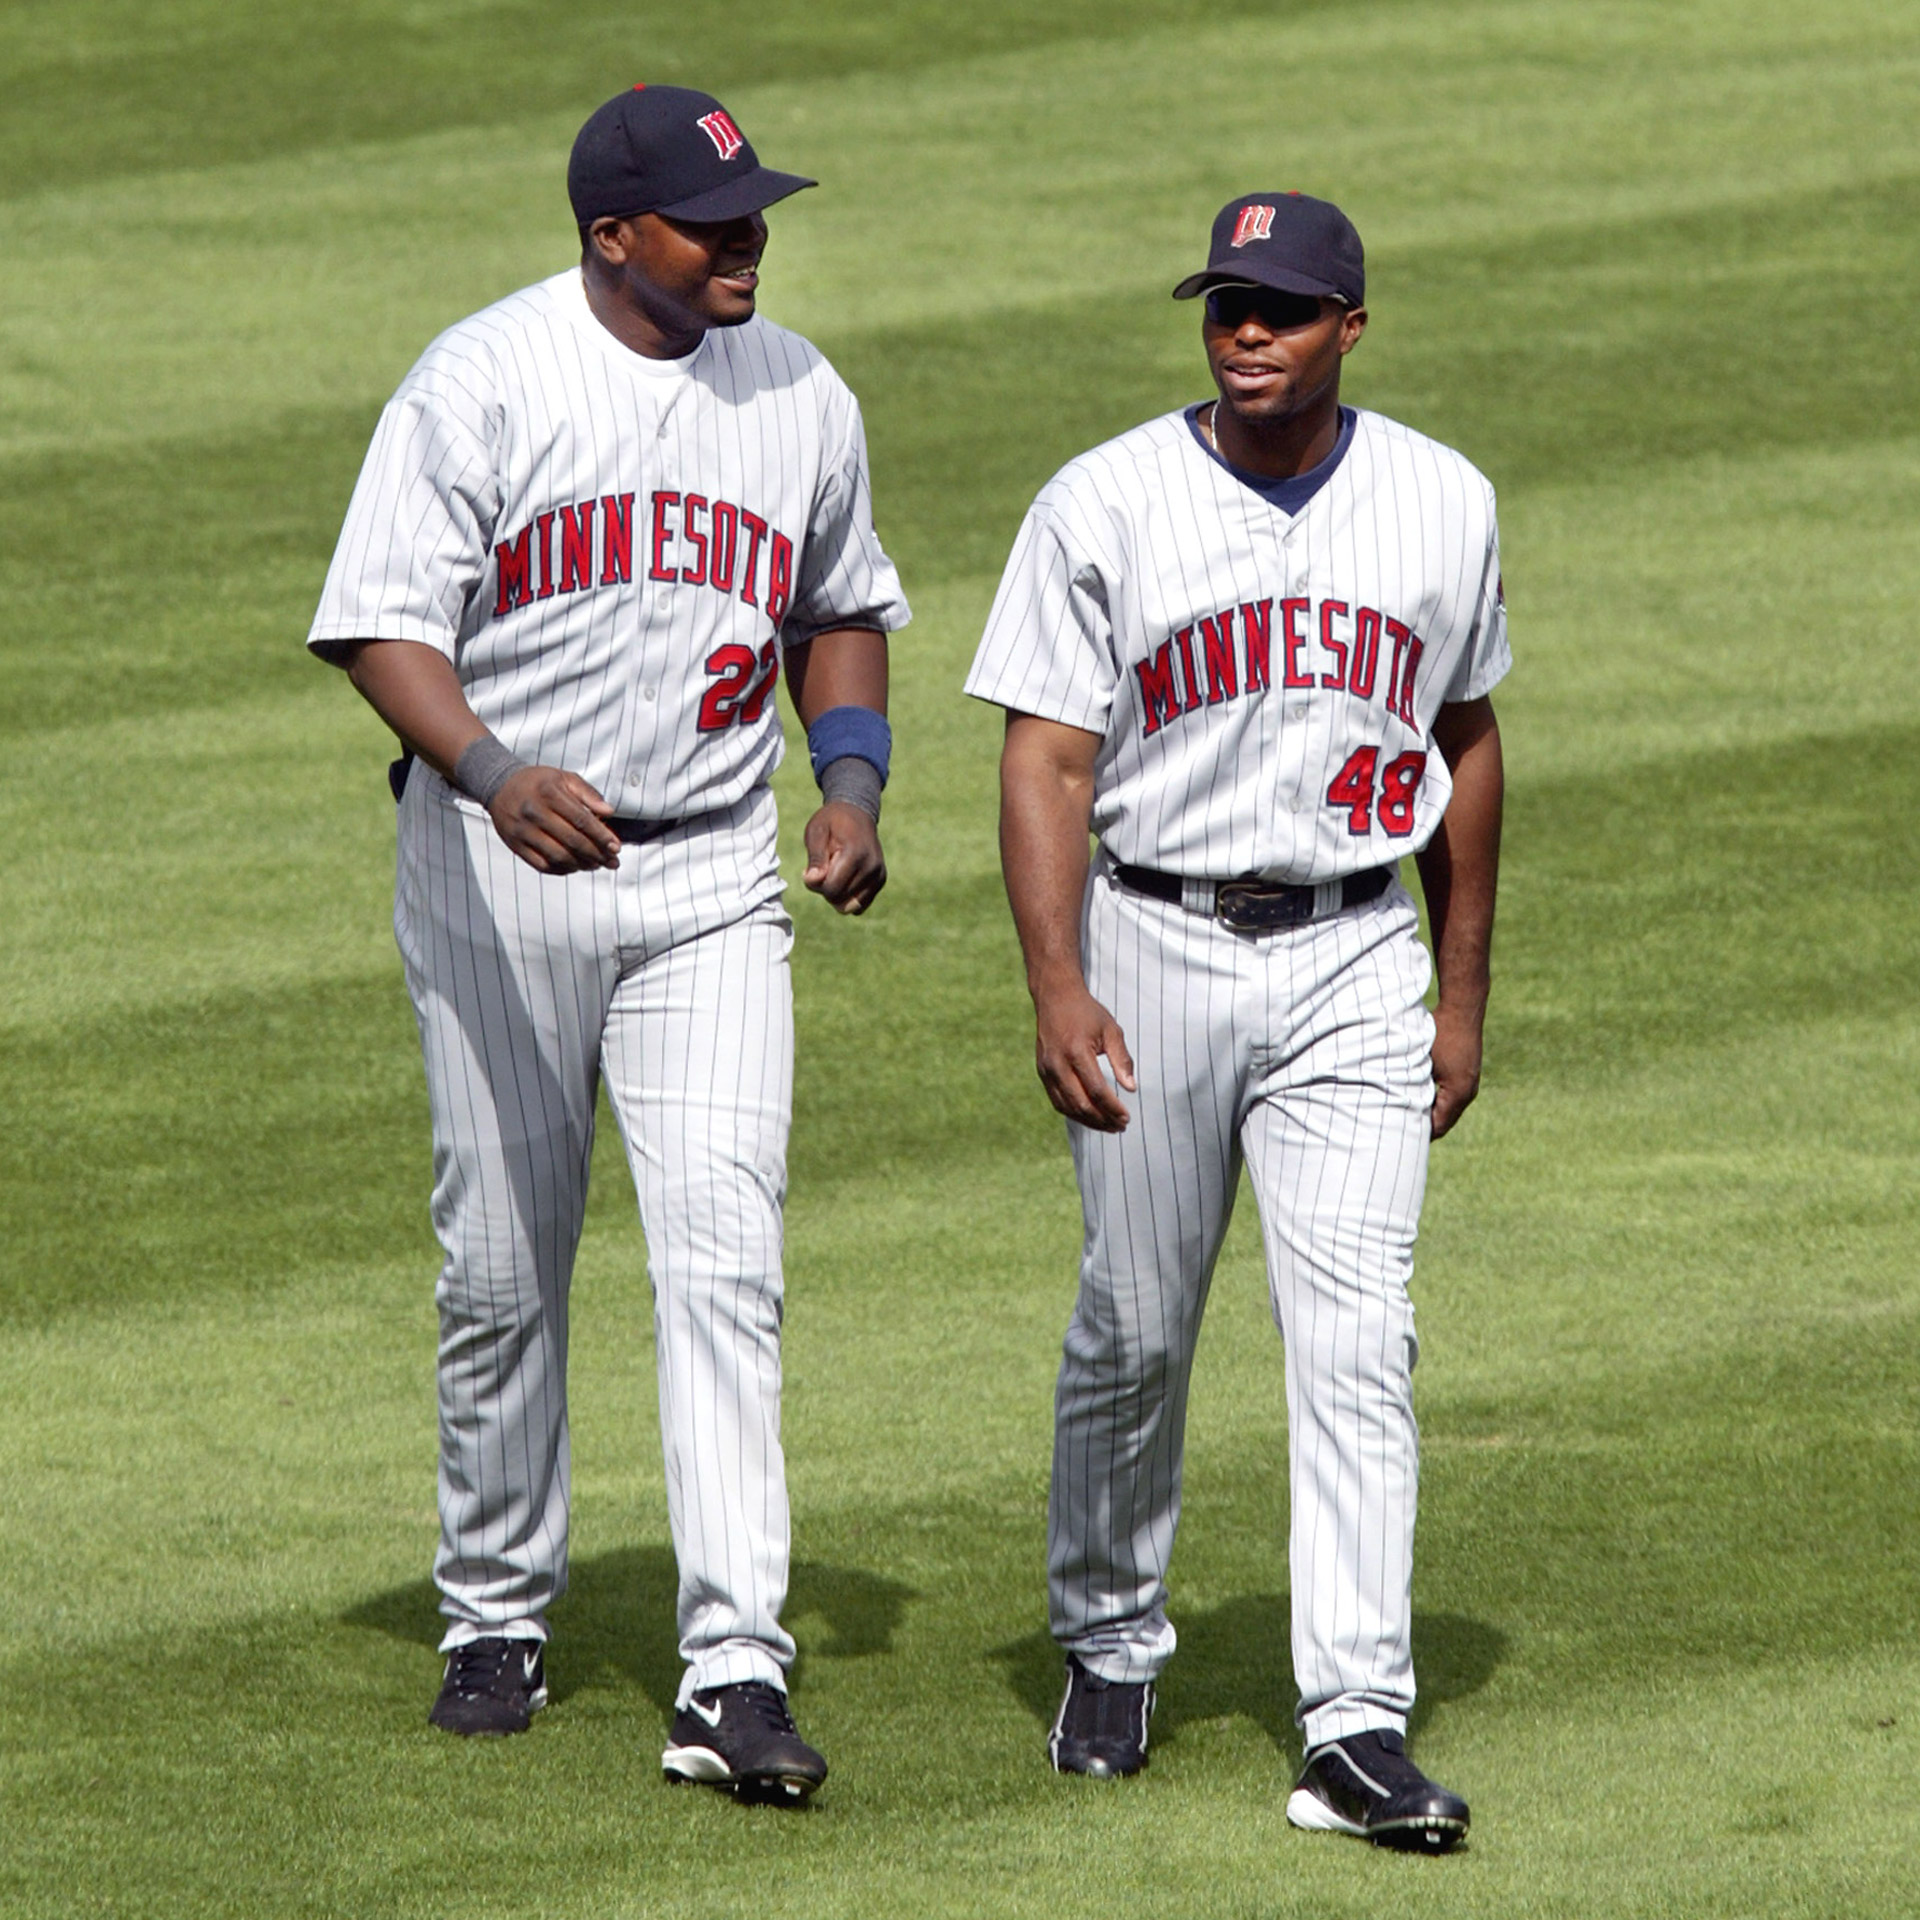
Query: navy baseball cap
x,y
669,150
1286,240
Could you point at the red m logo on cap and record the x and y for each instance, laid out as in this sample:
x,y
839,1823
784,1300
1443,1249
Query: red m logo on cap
x,y
1255,223
728,140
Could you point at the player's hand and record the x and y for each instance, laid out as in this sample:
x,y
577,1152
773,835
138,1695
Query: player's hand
x,y
554,821
1073,1032
1456,1066
845,866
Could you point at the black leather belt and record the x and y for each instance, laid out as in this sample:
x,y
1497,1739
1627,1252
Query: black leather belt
x,y
632,832
1257,906
636,833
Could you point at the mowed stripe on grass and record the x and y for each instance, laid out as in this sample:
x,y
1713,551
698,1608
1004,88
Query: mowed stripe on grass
x,y
968,189
1668,1561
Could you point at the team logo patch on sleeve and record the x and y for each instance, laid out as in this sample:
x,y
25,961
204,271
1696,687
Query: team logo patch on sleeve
x,y
719,128
1255,223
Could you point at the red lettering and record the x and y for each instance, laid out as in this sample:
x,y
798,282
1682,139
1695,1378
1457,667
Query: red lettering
x,y
1401,635
1366,653
1216,641
1157,697
663,503
726,537
1338,648
1415,648
1398,786
576,547
616,538
1256,630
734,666
779,578
1293,641
756,531
1184,641
545,523
694,503
755,702
1352,787
516,586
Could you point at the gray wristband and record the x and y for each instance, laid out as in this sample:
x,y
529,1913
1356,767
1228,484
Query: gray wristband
x,y
485,767
853,781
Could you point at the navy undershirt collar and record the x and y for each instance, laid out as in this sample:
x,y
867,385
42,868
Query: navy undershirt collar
x,y
1288,495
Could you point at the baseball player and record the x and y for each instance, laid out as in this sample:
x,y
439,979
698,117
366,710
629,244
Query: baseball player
x,y
1249,645
596,521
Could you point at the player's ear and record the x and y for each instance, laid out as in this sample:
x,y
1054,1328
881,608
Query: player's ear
x,y
609,241
1353,323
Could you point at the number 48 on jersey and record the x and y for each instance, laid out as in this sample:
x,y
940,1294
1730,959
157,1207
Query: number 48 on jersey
x,y
1353,787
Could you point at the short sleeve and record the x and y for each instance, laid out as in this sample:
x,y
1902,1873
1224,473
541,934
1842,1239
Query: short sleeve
x,y
417,535
1048,644
1486,658
845,577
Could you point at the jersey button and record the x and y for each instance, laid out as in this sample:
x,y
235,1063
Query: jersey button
x,y
633,780
647,692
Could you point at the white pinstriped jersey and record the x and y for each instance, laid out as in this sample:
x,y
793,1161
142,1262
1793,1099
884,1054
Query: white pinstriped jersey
x,y
1263,660
611,549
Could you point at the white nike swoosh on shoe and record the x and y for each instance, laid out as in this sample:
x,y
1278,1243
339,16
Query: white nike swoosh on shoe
x,y
529,1664
711,1715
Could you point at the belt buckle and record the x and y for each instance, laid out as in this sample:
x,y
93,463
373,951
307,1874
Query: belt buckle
x,y
1248,907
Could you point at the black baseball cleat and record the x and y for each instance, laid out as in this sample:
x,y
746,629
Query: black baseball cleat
x,y
1101,1728
1365,1785
492,1686
742,1738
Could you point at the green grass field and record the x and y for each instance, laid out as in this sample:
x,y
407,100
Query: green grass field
x,y
1654,268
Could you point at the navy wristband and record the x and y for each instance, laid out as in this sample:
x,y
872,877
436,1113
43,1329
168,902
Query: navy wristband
x,y
858,732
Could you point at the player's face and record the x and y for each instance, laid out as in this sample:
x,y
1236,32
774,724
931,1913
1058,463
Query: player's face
x,y
1274,355
684,276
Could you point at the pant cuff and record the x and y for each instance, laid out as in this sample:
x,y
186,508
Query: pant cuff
x,y
1120,1666
729,1667
461,1633
1343,1719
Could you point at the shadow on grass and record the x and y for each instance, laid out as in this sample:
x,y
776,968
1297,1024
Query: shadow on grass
x,y
1235,1659
616,1622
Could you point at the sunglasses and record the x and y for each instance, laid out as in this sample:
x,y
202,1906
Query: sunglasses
x,y
1231,306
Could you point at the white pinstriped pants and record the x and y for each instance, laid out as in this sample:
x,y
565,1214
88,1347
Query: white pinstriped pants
x,y
669,976
1306,1051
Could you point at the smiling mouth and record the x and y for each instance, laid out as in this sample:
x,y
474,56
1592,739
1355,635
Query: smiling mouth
x,y
1249,376
746,276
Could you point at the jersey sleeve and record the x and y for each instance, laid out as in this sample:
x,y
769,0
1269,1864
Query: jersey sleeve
x,y
1048,644
844,576
1485,659
418,531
